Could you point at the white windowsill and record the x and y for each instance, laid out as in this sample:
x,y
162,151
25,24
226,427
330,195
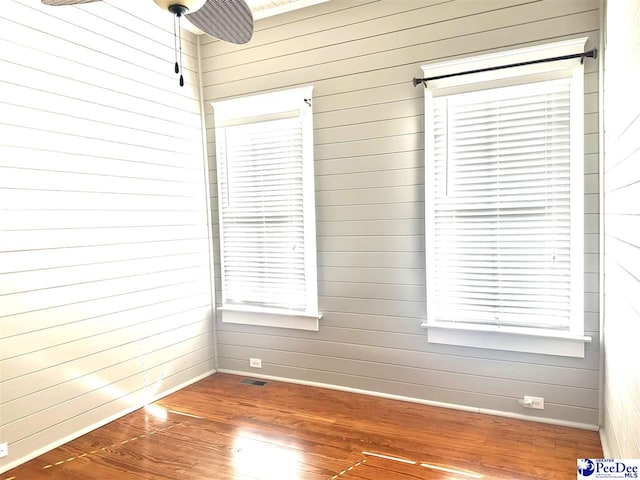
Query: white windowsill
x,y
513,339
270,317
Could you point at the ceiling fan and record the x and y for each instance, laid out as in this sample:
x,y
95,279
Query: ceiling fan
x,y
228,20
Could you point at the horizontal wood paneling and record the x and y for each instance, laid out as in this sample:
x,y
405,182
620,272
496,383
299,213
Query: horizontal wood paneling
x,y
178,342
621,433
446,21
487,384
412,390
90,336
369,168
105,294
56,258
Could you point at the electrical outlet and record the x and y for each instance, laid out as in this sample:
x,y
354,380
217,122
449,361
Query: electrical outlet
x,y
533,402
4,449
255,362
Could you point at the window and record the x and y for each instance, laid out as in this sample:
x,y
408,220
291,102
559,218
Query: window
x,y
504,203
264,156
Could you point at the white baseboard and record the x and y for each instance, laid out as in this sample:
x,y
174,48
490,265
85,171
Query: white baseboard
x,y
466,408
101,423
605,444
607,451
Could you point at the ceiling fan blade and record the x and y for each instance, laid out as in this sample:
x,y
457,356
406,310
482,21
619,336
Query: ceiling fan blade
x,y
60,3
228,20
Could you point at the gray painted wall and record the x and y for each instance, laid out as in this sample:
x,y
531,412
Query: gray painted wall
x,y
104,266
621,433
360,56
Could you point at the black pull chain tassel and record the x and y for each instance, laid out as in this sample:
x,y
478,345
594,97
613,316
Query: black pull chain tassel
x,y
175,46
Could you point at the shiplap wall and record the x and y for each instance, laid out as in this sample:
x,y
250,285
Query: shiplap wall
x,y
104,262
621,433
360,56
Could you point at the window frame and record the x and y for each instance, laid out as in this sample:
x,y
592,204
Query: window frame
x,y
274,105
522,339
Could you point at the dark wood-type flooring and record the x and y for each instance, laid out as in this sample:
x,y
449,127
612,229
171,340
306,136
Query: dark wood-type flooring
x,y
289,432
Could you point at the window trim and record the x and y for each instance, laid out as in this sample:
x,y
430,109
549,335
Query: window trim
x,y
253,108
515,339
265,317
522,339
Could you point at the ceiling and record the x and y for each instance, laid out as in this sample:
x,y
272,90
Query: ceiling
x,y
269,8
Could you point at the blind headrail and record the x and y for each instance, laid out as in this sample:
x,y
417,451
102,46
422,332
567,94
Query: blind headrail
x,y
588,54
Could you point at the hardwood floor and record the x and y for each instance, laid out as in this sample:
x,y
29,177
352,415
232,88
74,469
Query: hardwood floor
x,y
221,429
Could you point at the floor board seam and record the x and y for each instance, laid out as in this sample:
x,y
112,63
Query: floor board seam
x,y
114,445
350,468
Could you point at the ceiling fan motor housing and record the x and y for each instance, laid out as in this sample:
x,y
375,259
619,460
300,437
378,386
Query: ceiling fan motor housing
x,y
182,6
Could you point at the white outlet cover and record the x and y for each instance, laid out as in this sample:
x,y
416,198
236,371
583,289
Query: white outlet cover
x,y
533,402
255,362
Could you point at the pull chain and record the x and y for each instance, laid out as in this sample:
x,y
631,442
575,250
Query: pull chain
x,y
175,46
180,41
178,11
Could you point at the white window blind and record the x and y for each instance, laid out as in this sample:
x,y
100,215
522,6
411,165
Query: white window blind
x,y
501,206
262,209
264,148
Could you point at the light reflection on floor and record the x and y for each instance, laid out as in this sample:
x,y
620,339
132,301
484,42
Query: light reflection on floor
x,y
157,411
260,458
